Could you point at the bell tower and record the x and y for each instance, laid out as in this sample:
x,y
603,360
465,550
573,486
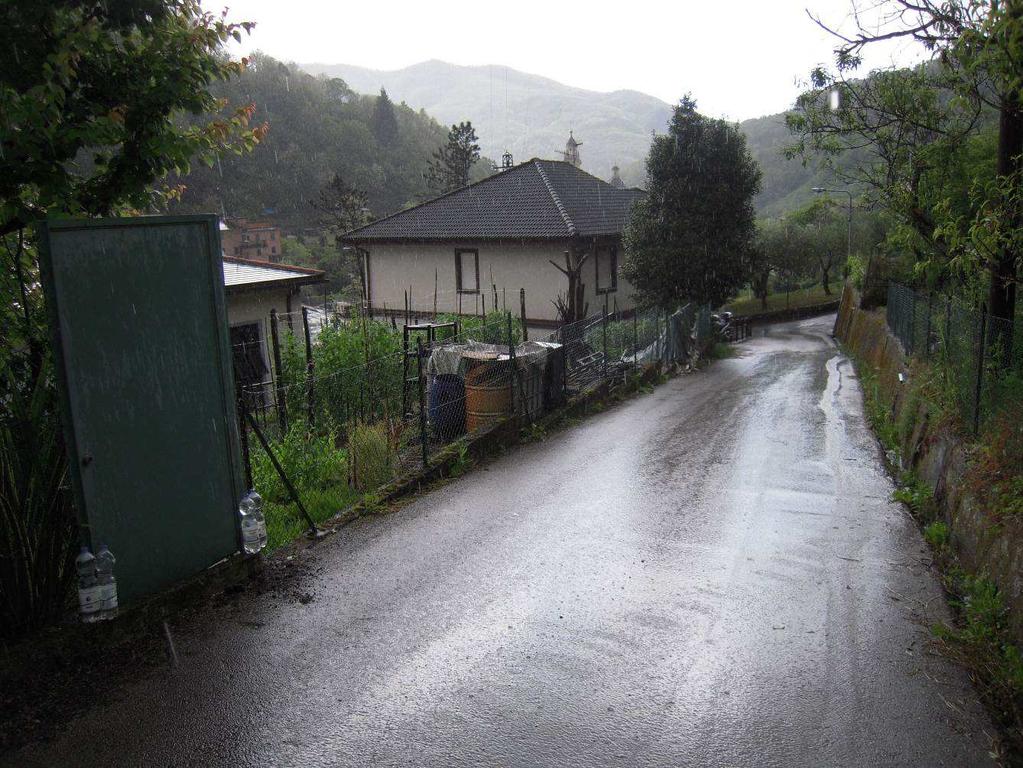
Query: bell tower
x,y
571,153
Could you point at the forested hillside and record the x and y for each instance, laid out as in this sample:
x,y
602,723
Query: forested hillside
x,y
526,114
787,185
318,127
531,115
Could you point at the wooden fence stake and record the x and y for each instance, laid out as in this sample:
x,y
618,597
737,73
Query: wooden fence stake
x,y
522,313
309,365
282,402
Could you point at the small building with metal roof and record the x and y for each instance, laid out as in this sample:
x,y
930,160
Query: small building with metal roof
x,y
252,289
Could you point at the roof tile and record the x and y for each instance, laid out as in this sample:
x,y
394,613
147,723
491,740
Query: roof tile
x,y
538,199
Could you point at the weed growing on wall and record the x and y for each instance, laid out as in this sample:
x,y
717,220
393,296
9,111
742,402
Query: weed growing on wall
x,y
878,412
996,472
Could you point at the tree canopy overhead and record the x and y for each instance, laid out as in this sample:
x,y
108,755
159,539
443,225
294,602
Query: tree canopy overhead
x,y
691,237
99,100
91,93
945,138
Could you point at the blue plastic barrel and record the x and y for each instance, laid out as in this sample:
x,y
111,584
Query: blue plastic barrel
x,y
447,406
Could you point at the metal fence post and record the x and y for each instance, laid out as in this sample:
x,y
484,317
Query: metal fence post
x,y
635,341
422,405
309,365
511,362
948,326
522,311
243,428
282,403
927,335
603,327
980,369
912,349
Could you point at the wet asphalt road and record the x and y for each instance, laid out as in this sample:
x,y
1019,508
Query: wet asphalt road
x,y
709,575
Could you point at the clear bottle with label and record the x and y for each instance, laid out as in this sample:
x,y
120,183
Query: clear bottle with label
x,y
105,562
89,602
253,524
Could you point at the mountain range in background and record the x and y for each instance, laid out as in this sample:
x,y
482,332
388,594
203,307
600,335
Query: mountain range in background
x,y
531,116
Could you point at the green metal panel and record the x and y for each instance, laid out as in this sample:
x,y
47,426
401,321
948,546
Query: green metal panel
x,y
141,341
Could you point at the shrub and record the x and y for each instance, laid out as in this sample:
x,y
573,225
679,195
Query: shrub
x,y
936,534
996,473
492,329
309,461
346,386
370,458
317,469
38,535
620,336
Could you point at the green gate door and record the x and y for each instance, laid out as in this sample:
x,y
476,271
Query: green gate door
x,y
141,342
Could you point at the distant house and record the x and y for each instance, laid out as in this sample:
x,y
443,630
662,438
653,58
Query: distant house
x,y
497,236
252,289
245,239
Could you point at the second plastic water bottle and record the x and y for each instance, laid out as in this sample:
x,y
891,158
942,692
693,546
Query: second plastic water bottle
x,y
105,562
252,523
88,587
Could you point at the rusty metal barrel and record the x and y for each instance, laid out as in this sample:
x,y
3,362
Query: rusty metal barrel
x,y
488,395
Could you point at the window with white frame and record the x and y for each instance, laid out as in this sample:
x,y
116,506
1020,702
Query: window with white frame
x,y
467,270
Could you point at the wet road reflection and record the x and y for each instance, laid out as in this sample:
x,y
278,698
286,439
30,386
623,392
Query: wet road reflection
x,y
708,575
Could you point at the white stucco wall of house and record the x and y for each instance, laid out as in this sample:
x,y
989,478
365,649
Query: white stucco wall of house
x,y
509,266
254,307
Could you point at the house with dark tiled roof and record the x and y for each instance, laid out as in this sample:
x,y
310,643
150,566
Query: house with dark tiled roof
x,y
498,236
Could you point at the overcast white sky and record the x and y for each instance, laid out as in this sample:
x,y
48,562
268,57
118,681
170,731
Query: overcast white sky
x,y
739,58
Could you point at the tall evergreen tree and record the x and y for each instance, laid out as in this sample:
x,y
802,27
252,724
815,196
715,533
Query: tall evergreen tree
x,y
691,238
452,163
342,206
385,124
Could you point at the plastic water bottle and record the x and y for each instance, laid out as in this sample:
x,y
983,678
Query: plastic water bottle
x,y
88,586
257,513
105,562
252,523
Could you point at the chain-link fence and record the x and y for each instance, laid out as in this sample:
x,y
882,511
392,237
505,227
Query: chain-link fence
x,y
982,355
331,419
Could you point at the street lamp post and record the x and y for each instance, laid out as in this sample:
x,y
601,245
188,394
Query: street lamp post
x,y
848,248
